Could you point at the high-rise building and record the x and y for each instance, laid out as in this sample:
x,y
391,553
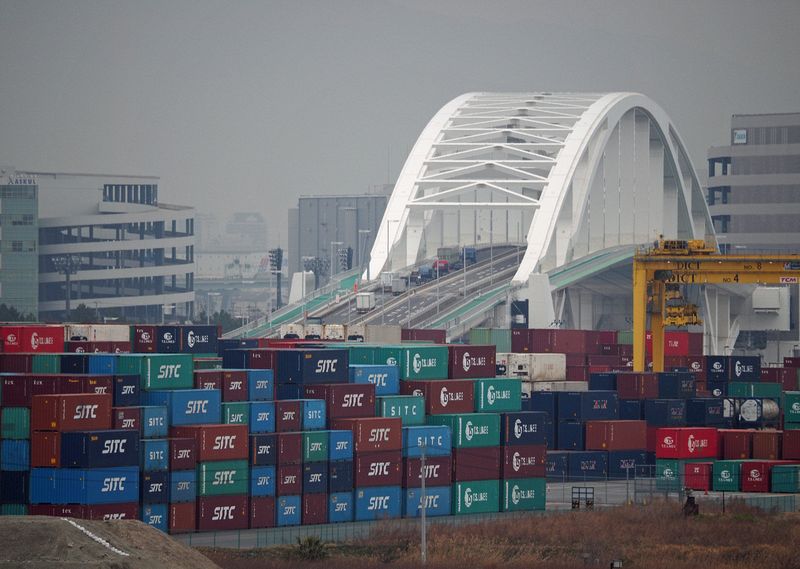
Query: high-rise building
x,y
19,235
107,242
754,184
322,226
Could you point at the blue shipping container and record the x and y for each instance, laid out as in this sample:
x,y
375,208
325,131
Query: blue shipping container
x,y
182,486
199,340
706,412
717,388
630,409
437,502
102,364
99,449
262,417
569,405
261,384
263,450
262,481
15,455
716,368
378,503
154,487
315,478
313,414
622,464
226,344
525,428
541,401
188,406
53,485
111,485
340,476
665,412
743,368
385,378
156,515
14,489
284,391
340,507
236,358
570,435
340,445
312,366
287,511
436,439
127,392
168,339
155,424
599,406
74,363
588,465
155,455
676,385
603,381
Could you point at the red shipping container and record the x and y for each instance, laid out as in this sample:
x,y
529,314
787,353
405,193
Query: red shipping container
x,y
673,362
616,435
599,369
438,471
344,400
120,347
520,340
261,359
609,350
791,445
61,511
625,350
695,343
602,360
216,442
182,454
652,438
755,475
423,335
72,412
208,379
315,509
736,443
289,479
48,385
476,463
182,517
698,475
288,416
383,468
45,449
577,373
222,513
471,361
443,396
372,434
676,343
262,512
12,339
524,461
127,418
290,448
234,385
35,339
766,445
144,339
786,376
107,512
791,362
696,363
637,385
16,391
16,363
98,384
687,442
575,359
78,347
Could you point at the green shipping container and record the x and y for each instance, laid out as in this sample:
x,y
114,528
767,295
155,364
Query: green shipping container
x,y
524,494
471,430
46,363
13,510
498,395
625,337
785,478
670,474
237,413
315,446
791,426
223,477
167,371
423,362
409,408
388,355
16,423
130,364
742,389
791,407
362,354
726,475
476,497
207,363
499,337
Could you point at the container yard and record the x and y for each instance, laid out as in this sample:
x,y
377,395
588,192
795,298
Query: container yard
x,y
249,434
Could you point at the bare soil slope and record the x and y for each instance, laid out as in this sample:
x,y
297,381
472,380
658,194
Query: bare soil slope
x,y
39,542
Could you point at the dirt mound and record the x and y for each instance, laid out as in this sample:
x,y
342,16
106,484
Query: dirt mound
x,y
42,542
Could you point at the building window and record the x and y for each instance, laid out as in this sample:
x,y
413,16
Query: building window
x,y
16,246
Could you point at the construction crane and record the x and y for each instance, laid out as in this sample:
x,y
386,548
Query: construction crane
x,y
660,272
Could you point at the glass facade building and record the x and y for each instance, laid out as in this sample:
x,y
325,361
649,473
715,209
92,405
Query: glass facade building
x,y
19,268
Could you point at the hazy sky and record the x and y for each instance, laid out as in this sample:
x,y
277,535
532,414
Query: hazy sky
x,y
246,105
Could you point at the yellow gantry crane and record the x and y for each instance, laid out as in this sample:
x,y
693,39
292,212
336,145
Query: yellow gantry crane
x,y
660,272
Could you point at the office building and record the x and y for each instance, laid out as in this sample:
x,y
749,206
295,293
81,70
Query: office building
x,y
19,236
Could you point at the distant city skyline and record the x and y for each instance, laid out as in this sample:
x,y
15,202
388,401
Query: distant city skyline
x,y
248,105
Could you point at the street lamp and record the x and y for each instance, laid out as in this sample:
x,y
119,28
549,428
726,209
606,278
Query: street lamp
x,y
332,265
67,265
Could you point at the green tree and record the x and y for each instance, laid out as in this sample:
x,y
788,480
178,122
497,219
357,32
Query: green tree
x,y
11,314
222,318
82,314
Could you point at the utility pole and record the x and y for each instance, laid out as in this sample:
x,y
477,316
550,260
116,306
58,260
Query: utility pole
x,y
67,265
424,502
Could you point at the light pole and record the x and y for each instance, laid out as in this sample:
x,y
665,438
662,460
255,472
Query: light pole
x,y
67,265
333,270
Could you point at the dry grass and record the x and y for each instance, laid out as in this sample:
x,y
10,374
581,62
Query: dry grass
x,y
653,537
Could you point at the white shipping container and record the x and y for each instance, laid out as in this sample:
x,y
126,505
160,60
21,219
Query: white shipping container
x,y
365,301
529,387
97,332
292,331
538,367
374,334
334,332
313,331
502,361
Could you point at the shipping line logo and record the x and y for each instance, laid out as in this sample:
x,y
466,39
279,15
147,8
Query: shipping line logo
x,y
446,396
741,369
471,430
517,495
521,428
192,339
419,363
493,395
695,444
37,341
467,362
471,497
168,338
717,366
